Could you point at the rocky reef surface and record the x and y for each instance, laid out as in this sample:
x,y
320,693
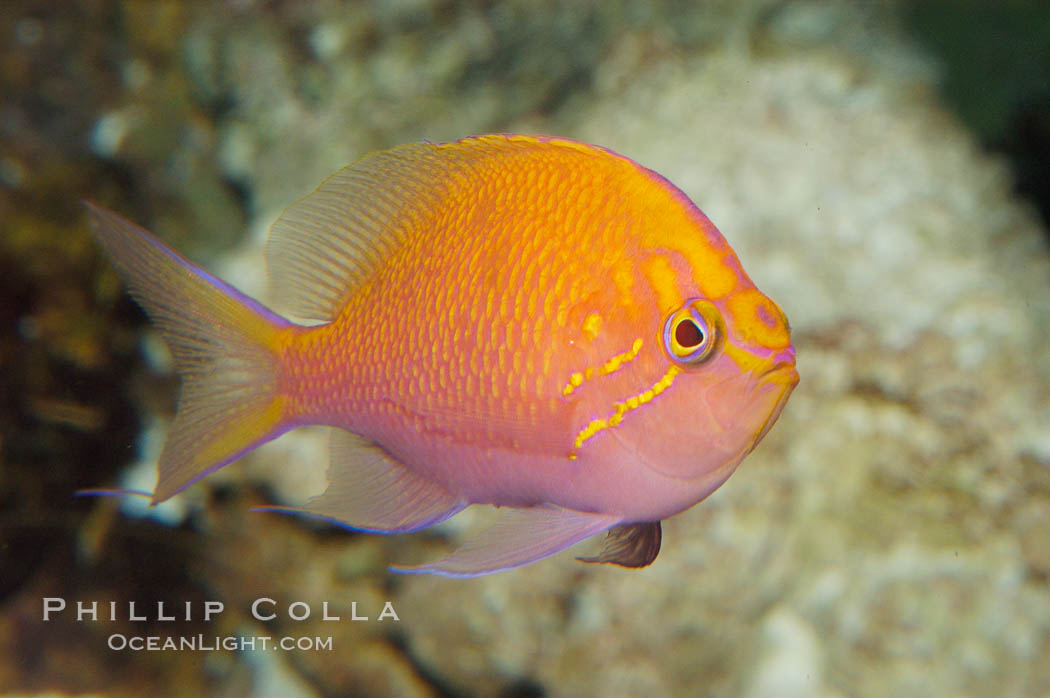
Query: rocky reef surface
x,y
889,537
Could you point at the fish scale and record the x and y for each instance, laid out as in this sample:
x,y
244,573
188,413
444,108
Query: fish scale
x,y
499,321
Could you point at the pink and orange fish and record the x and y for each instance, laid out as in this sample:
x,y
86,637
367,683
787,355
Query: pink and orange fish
x,y
532,323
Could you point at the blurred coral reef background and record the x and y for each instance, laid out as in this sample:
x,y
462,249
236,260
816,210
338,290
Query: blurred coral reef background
x,y
881,170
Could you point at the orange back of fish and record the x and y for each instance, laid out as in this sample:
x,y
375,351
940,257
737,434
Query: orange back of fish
x,y
474,326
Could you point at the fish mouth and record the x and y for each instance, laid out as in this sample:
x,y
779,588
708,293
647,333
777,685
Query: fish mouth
x,y
783,373
785,376
779,365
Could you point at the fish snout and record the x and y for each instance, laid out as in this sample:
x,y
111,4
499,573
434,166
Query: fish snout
x,y
780,369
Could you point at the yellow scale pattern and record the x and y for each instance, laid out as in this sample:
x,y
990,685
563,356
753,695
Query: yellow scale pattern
x,y
516,244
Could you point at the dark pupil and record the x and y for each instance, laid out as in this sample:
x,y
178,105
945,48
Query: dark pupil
x,y
688,335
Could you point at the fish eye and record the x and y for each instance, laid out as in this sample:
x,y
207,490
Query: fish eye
x,y
691,332
687,334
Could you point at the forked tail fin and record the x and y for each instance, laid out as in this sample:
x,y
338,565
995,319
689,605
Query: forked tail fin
x,y
225,349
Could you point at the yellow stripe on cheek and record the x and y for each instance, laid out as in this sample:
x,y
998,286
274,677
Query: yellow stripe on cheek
x,y
621,409
614,364
611,366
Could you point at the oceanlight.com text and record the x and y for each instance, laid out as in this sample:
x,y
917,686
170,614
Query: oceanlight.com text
x,y
213,643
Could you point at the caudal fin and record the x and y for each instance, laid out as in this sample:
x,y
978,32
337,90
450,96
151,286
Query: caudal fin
x,y
224,347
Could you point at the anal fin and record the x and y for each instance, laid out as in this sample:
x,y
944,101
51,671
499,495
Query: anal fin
x,y
370,490
521,536
631,545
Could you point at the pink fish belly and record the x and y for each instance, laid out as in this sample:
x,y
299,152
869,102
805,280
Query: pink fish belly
x,y
604,479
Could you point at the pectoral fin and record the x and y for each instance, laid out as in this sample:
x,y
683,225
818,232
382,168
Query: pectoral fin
x,y
632,545
370,490
520,537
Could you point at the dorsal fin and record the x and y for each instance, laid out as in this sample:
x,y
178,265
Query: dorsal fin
x,y
324,246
